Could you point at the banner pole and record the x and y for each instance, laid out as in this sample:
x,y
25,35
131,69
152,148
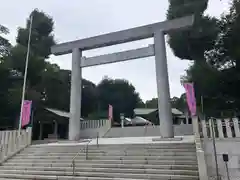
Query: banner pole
x,y
25,75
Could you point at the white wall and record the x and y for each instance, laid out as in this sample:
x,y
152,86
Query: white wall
x,y
230,146
140,131
94,128
93,132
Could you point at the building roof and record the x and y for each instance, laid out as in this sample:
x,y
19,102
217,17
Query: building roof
x,y
176,111
139,120
145,111
60,113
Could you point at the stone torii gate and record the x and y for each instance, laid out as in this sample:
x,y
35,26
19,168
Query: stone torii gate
x,y
157,31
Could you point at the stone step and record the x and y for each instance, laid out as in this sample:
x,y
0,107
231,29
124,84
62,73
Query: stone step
x,y
8,179
122,153
114,147
81,170
63,167
109,150
119,158
106,150
68,178
18,177
83,155
84,162
145,146
80,158
35,175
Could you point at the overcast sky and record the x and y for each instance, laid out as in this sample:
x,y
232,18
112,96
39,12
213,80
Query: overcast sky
x,y
76,19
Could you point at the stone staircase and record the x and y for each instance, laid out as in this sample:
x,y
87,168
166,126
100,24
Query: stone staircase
x,y
161,161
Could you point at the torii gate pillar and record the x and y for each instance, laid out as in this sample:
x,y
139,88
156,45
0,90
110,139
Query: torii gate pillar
x,y
164,104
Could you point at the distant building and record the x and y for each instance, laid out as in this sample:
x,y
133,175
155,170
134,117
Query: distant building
x,y
152,115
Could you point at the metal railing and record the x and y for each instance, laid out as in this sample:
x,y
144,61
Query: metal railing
x,y
82,150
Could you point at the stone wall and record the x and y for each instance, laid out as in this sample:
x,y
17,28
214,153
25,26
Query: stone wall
x,y
140,131
230,146
227,137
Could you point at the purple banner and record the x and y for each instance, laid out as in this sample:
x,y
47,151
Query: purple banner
x,y
110,112
26,112
191,100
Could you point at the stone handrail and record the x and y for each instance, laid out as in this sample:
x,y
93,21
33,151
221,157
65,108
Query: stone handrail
x,y
202,166
14,143
223,128
91,124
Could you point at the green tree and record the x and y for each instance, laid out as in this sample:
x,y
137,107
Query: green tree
x,y
4,43
180,103
89,98
225,56
120,94
195,44
47,84
56,84
41,41
191,44
5,79
153,103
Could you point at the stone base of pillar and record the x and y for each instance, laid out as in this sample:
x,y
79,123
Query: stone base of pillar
x,y
73,135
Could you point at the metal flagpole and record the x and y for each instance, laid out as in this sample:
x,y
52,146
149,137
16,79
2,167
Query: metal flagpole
x,y
25,74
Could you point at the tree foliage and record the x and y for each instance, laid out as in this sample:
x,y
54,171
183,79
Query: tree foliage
x,y
153,103
176,102
215,70
47,84
180,103
225,56
4,43
41,42
120,94
191,44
